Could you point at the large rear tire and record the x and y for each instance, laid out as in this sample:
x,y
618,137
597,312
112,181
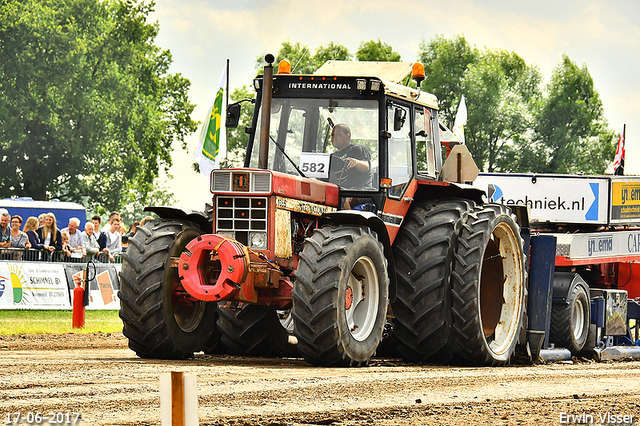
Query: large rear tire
x,y
159,319
254,330
570,321
488,287
424,252
340,296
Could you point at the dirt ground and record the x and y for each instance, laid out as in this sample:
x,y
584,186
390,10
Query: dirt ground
x,y
99,377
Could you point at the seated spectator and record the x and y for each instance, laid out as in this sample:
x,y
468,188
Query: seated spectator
x,y
90,241
76,242
114,239
49,234
5,231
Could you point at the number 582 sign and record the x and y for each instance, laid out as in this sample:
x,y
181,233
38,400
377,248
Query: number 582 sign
x,y
315,164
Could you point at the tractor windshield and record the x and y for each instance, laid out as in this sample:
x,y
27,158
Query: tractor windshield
x,y
300,140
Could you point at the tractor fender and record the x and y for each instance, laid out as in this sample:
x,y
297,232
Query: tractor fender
x,y
373,222
196,216
563,284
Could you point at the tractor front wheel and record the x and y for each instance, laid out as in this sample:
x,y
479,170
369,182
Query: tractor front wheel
x,y
160,319
340,296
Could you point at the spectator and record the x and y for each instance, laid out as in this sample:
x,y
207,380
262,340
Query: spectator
x,y
30,228
49,234
90,241
100,236
5,231
114,239
76,242
18,238
41,219
65,245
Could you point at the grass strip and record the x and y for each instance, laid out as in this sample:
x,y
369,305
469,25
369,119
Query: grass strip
x,y
56,322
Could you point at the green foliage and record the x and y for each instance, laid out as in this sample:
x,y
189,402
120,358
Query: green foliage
x,y
88,110
571,132
445,63
513,125
376,51
499,89
302,60
237,138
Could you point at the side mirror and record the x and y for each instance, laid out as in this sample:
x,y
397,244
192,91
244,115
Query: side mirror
x,y
233,115
399,117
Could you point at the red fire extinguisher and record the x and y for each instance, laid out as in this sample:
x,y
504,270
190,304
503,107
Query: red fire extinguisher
x,y
81,297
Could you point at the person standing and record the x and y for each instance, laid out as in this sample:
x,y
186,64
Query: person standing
x,y
114,238
76,242
5,231
30,228
49,234
90,241
18,238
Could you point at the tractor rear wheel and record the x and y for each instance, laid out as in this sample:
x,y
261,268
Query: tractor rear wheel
x,y
254,330
160,319
424,252
340,296
488,287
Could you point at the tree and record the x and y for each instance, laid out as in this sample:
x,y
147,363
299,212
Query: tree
x,y
376,51
445,63
302,60
332,52
237,138
571,133
88,110
500,90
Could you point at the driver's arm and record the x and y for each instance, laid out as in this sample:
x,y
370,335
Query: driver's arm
x,y
360,165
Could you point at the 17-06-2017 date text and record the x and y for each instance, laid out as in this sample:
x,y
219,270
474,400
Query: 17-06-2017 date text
x,y
35,418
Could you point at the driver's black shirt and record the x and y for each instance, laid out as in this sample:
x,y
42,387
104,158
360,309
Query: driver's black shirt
x,y
352,178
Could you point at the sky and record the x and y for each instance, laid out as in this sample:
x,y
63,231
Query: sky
x,y
203,34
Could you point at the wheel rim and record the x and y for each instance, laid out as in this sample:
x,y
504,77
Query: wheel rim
x,y
361,298
577,319
501,289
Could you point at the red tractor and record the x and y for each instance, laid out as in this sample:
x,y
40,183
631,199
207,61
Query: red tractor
x,y
342,223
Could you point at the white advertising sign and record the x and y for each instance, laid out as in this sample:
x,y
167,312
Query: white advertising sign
x,y
551,198
33,285
314,164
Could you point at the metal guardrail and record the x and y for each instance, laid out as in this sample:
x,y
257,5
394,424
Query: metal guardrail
x,y
33,255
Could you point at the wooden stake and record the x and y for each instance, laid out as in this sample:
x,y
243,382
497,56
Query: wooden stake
x,y
177,398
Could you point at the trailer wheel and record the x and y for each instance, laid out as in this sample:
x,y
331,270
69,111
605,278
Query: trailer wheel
x,y
254,330
340,296
159,319
488,287
424,251
570,321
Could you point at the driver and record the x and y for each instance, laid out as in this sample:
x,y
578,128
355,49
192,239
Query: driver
x,y
356,160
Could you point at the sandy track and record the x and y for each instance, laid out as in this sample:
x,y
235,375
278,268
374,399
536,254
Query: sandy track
x,y
97,376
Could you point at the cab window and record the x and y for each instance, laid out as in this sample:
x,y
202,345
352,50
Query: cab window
x,y
399,148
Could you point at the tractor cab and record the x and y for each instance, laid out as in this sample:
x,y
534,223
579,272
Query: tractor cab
x,y
350,111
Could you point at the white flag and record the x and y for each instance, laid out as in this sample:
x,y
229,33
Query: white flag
x,y
212,146
461,120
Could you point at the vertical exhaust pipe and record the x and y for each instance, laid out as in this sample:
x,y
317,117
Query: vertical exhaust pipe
x,y
267,91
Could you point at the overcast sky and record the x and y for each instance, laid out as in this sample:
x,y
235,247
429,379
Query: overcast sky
x,y
202,35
